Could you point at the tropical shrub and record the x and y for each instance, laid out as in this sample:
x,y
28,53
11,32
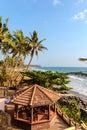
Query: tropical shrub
x,y
73,111
53,80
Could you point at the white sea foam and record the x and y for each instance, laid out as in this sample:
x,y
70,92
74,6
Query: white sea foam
x,y
79,84
37,69
76,77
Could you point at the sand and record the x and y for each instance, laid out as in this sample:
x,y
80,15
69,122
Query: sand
x,y
83,97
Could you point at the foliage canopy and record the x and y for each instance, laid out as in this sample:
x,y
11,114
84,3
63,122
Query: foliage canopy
x,y
53,80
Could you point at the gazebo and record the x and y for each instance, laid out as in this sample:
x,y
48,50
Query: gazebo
x,y
36,107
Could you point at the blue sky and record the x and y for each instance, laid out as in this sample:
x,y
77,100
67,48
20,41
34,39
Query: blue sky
x,y
62,22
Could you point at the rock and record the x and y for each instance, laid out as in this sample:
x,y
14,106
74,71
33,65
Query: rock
x,y
66,100
5,120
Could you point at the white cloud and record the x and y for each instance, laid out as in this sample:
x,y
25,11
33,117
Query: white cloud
x,y
55,2
80,16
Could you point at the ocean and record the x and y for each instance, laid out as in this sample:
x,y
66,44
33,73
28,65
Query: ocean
x,y
78,83
66,69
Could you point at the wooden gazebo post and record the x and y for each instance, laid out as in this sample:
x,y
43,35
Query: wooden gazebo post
x,y
48,112
16,109
54,107
31,114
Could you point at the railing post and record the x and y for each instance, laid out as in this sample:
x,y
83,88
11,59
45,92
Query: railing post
x,y
62,114
76,126
70,121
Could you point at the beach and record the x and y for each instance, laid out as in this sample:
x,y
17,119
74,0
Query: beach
x,y
83,97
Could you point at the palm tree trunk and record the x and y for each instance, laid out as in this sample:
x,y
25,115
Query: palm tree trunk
x,y
29,63
16,63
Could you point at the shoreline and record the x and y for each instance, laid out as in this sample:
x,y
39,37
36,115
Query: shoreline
x,y
81,96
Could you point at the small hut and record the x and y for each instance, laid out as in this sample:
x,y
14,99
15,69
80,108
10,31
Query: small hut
x,y
36,107
3,92
17,78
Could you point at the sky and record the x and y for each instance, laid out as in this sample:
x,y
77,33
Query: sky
x,y
62,22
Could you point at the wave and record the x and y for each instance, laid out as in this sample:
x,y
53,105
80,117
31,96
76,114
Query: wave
x,y
79,84
37,69
76,77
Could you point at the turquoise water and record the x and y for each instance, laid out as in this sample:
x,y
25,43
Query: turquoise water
x,y
78,83
66,69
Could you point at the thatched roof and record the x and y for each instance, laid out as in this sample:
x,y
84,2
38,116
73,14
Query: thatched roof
x,y
19,77
36,96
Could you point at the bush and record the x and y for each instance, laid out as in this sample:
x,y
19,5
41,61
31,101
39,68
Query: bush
x,y
73,111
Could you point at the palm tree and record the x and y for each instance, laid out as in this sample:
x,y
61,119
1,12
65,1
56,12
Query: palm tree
x,y
35,46
8,44
3,28
5,37
83,59
4,76
21,44
1,62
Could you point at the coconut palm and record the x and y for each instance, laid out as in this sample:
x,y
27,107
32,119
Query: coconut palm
x,y
21,44
4,76
3,28
35,46
1,62
5,37
7,45
83,59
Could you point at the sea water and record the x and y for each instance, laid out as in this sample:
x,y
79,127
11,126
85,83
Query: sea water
x,y
77,83
66,69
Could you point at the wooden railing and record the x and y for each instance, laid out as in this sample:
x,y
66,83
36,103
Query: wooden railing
x,y
83,126
68,120
70,128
